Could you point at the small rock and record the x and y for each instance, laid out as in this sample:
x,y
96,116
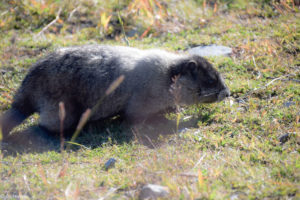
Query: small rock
x,y
211,50
185,118
133,32
284,138
109,164
3,71
241,109
238,195
183,130
151,191
198,136
241,101
288,104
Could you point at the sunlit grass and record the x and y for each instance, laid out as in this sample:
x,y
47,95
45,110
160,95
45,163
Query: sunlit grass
x,y
234,150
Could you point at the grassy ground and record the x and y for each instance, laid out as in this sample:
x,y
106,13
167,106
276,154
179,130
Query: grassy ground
x,y
234,150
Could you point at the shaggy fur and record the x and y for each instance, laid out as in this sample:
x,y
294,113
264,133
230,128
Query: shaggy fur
x,y
79,77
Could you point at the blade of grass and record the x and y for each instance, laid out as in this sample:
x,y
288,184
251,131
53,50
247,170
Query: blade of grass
x,y
89,112
122,25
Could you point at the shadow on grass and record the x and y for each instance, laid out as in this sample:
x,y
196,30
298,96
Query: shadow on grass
x,y
149,133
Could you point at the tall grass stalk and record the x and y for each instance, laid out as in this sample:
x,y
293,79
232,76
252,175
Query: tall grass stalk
x,y
89,112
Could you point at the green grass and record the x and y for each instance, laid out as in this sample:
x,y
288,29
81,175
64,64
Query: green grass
x,y
232,148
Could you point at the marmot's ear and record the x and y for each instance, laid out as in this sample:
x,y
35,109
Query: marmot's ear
x,y
191,69
183,68
191,65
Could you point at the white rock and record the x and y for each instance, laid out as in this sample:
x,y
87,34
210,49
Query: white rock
x,y
151,191
211,50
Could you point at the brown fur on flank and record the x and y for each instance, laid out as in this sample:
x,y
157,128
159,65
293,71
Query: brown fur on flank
x,y
79,77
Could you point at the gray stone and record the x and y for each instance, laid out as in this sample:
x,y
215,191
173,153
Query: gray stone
x,y
183,130
284,138
110,163
238,195
211,50
151,191
288,104
133,32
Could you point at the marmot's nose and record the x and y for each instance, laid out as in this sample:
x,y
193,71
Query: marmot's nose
x,y
223,94
227,93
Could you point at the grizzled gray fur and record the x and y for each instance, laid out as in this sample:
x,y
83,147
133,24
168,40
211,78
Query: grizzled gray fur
x,y
79,77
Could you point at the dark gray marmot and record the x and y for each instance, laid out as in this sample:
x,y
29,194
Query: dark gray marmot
x,y
79,77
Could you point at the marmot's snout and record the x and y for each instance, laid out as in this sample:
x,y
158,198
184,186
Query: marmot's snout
x,y
223,94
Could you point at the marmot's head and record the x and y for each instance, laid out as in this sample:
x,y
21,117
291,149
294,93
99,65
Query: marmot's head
x,y
195,80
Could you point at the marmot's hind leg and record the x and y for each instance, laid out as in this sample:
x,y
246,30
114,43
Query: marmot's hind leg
x,y
20,110
10,119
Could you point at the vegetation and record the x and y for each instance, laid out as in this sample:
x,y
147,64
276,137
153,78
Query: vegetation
x,y
246,147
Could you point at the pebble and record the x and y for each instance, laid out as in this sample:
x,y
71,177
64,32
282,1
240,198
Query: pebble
x,y
151,191
284,138
110,163
288,104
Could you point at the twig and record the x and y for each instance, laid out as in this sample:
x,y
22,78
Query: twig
x,y
4,13
72,13
110,192
188,175
254,62
150,141
199,161
50,24
26,182
276,79
269,83
136,133
291,79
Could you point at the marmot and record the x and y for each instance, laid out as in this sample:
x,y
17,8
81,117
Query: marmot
x,y
80,75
